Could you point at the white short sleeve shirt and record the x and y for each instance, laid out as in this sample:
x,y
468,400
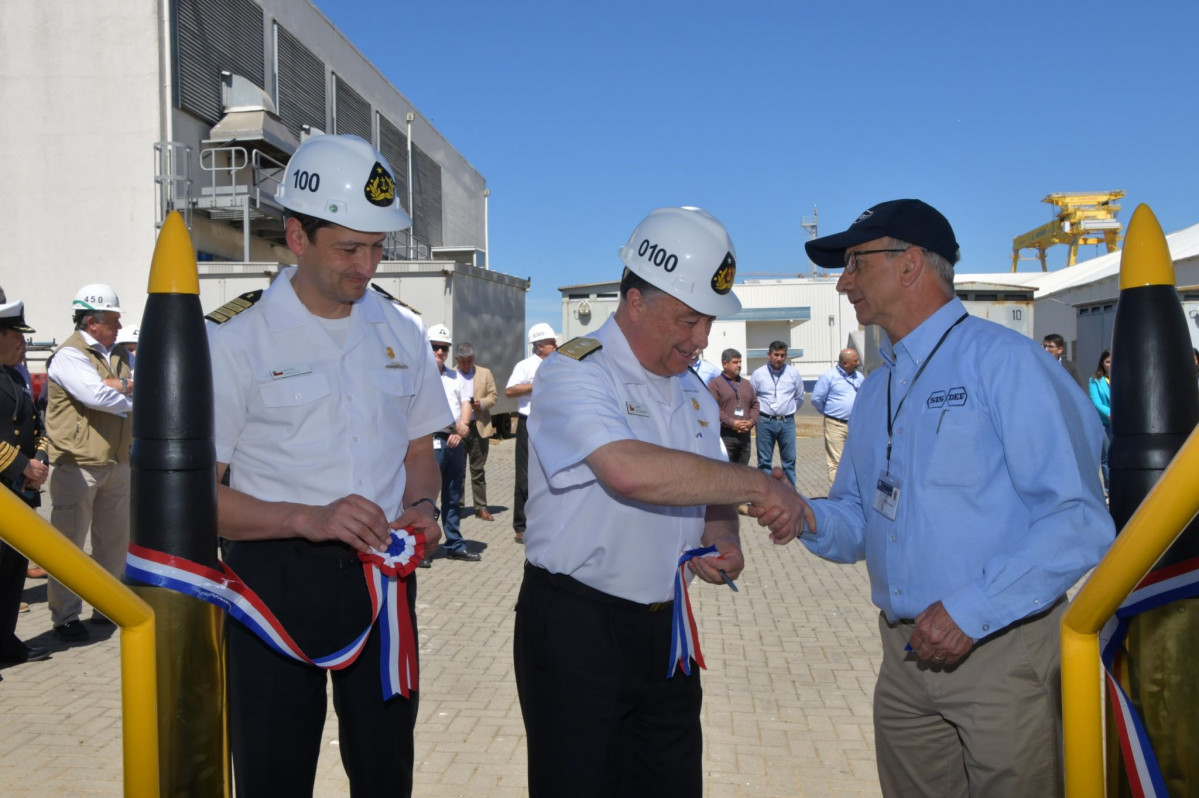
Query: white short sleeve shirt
x,y
575,526
301,418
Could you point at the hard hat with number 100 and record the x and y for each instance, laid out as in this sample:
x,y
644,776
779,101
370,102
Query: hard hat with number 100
x,y
687,253
96,296
343,179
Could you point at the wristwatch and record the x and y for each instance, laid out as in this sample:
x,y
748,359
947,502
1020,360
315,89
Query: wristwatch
x,y
124,386
436,512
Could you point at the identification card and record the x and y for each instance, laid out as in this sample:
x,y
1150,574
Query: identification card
x,y
739,412
436,443
886,494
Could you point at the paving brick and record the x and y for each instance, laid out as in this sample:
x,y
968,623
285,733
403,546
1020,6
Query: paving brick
x,y
791,659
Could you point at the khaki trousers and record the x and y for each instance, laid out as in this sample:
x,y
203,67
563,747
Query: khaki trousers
x,y
83,497
834,443
989,726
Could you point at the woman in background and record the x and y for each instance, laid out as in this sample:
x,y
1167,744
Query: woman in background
x,y
1100,389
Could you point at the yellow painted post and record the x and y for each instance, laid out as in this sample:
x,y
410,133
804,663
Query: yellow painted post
x,y
1161,518
28,533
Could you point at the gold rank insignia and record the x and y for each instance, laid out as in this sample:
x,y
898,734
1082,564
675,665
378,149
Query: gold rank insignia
x,y
235,306
695,403
702,423
579,348
391,354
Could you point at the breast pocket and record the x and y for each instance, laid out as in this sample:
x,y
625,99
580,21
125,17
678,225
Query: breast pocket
x,y
295,391
957,437
395,390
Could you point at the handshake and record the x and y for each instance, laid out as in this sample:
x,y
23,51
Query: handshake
x,y
782,509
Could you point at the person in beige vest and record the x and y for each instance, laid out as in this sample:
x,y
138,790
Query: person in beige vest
x,y
89,430
484,395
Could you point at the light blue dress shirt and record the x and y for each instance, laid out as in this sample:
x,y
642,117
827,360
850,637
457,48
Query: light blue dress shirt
x,y
780,393
836,391
997,456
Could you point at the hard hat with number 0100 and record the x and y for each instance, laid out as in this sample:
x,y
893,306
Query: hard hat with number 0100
x,y
541,332
440,334
343,179
96,296
687,253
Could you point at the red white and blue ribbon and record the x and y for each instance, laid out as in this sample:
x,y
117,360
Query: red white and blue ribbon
x,y
1159,588
386,575
684,636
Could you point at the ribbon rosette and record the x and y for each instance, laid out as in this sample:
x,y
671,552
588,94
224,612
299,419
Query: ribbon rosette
x,y
684,636
386,575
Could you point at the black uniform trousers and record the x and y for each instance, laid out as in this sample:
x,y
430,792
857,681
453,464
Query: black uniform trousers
x,y
277,704
12,585
521,493
738,445
601,716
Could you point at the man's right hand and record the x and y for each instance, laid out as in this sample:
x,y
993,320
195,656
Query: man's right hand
x,y
351,519
783,510
35,473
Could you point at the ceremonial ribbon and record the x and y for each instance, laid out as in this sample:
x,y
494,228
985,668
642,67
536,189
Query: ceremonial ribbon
x,y
684,636
386,574
1159,588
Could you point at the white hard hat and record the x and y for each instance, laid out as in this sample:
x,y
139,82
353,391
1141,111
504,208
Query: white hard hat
x,y
96,296
128,335
441,334
541,332
687,253
343,179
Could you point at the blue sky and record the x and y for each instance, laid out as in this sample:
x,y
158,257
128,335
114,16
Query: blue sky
x,y
583,117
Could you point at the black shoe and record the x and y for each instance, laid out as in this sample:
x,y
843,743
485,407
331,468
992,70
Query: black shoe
x,y
425,563
72,632
463,554
100,620
24,654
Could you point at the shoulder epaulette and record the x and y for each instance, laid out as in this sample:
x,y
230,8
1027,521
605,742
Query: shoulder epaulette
x,y
579,348
390,298
234,306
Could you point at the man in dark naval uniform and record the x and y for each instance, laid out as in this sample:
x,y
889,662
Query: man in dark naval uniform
x,y
23,469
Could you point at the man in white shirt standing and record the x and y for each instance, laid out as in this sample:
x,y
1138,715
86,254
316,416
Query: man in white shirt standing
x,y
89,429
449,447
520,387
780,394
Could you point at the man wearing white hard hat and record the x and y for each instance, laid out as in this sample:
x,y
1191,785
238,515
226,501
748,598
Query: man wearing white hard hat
x,y
326,400
628,489
449,447
127,338
544,341
89,431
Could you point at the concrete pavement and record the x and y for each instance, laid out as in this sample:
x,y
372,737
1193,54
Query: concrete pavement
x,y
791,664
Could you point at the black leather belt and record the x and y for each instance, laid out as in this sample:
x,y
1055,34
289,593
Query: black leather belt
x,y
834,418
777,418
574,586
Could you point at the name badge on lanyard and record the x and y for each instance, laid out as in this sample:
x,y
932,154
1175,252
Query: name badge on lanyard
x,y
886,494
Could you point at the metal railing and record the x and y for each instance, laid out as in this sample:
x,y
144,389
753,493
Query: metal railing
x,y
28,533
172,181
1161,518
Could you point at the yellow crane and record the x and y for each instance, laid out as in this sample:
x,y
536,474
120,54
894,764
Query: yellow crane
x,y
1082,218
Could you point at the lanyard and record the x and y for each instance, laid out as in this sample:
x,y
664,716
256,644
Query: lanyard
x,y
852,384
736,391
927,360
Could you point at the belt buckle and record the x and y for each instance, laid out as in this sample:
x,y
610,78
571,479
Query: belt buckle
x,y
657,606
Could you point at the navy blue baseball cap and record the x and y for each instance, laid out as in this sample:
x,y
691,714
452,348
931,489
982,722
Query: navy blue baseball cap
x,y
908,220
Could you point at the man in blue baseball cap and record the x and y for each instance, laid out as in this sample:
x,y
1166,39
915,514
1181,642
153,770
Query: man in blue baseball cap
x,y
942,490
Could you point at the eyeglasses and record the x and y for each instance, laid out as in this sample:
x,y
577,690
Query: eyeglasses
x,y
851,258
441,347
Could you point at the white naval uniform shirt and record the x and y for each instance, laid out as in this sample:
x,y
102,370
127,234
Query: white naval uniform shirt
x,y
575,526
522,374
299,418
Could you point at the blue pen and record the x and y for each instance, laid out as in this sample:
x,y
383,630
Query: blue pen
x,y
732,585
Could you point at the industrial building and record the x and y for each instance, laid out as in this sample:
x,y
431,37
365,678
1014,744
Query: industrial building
x,y
119,111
